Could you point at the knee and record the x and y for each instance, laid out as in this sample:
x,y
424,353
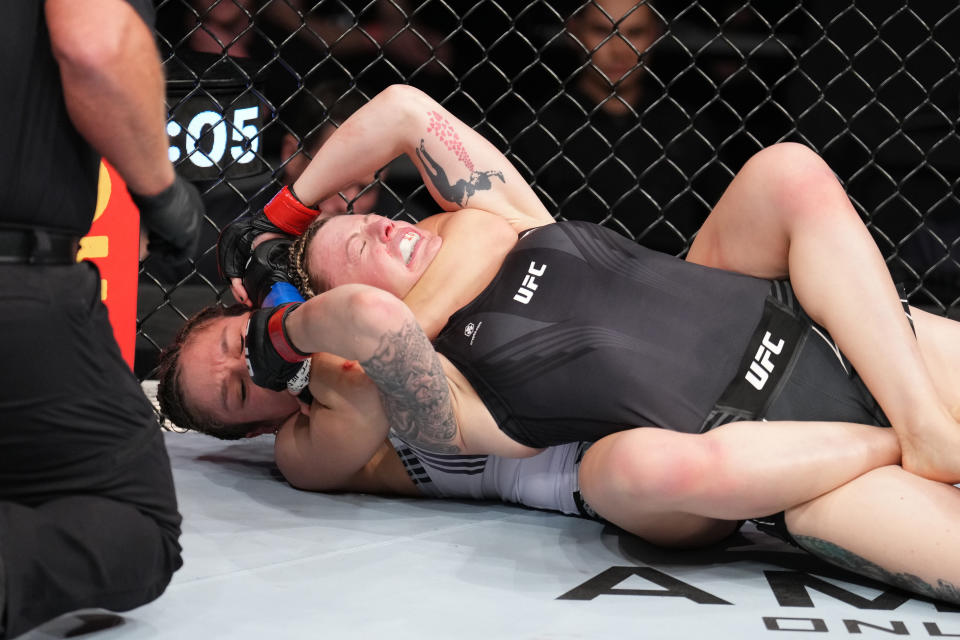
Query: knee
x,y
162,559
667,477
787,157
173,553
796,178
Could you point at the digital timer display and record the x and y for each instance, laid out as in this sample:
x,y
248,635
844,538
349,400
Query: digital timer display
x,y
211,139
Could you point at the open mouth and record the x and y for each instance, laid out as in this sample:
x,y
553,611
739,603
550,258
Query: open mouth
x,y
407,244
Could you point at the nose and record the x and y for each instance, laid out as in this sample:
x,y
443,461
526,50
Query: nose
x,y
381,228
235,357
619,47
238,365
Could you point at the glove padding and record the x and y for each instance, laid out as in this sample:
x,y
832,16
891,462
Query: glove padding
x,y
267,267
172,219
233,246
274,363
284,214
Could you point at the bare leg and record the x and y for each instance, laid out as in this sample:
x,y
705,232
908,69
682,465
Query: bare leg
x,y
890,525
939,340
677,489
785,213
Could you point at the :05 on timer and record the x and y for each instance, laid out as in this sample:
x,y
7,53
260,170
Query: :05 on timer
x,y
208,144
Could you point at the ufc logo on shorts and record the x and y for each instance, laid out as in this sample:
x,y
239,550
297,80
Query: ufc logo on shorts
x,y
525,293
761,367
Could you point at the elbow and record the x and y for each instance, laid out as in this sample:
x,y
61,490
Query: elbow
x,y
292,466
401,95
410,106
293,479
375,312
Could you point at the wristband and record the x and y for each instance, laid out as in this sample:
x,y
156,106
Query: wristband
x,y
277,330
288,213
299,382
281,293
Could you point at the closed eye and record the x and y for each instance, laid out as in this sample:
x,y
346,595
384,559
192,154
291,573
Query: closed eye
x,y
243,386
355,241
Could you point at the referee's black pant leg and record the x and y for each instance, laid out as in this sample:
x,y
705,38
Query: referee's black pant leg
x,y
77,552
88,510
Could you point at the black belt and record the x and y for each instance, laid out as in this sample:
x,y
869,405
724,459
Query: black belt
x,y
33,246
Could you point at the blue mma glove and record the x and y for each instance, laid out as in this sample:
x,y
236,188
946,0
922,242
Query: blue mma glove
x,y
265,277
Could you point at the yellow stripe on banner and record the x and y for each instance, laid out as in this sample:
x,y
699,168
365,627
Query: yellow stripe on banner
x,y
103,289
94,247
104,189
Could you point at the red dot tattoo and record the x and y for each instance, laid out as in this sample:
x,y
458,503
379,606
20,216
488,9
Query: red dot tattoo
x,y
444,131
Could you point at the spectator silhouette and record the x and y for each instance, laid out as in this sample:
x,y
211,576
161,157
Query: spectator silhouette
x,y
613,147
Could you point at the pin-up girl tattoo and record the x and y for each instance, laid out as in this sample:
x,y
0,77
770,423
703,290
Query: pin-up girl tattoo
x,y
461,190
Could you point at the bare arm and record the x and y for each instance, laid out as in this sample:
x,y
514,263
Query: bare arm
x,y
114,87
373,327
339,445
459,167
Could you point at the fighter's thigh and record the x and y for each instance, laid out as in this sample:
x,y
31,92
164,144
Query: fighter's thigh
x,y
637,478
939,340
887,517
748,231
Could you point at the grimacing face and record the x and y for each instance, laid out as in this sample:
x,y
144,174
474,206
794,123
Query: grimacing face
x,y
633,26
370,249
216,382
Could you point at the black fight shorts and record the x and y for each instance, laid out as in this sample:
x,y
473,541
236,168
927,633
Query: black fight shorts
x,y
793,370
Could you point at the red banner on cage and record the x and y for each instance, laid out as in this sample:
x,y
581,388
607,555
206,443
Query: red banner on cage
x,y
113,244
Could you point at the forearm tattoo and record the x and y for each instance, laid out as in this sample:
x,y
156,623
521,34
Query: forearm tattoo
x,y
413,389
942,590
461,190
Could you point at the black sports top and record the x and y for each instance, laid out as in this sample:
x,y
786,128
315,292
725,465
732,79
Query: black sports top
x,y
583,333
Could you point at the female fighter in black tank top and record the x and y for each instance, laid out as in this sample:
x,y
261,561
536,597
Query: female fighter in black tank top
x,y
583,333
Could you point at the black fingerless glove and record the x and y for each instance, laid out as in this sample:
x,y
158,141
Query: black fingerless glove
x,y
284,214
266,279
273,361
233,246
172,219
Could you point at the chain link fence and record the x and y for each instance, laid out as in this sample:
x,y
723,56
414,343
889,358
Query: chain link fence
x,y
631,114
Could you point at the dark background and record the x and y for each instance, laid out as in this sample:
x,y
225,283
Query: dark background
x,y
874,87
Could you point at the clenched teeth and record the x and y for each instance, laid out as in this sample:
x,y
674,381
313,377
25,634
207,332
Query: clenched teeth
x,y
407,244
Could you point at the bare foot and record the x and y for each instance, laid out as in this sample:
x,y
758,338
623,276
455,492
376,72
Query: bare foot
x,y
934,455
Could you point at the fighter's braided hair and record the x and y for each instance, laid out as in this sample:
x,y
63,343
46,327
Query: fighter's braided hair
x,y
298,269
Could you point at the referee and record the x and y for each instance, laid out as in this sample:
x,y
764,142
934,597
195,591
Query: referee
x,y
88,515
